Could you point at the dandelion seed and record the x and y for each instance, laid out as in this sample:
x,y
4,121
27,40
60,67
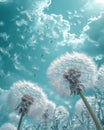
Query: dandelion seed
x,y
48,112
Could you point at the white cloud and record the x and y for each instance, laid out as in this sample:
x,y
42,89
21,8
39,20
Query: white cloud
x,y
52,25
99,57
94,30
5,1
94,6
40,5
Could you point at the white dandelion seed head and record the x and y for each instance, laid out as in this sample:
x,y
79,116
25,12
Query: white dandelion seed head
x,y
8,126
68,61
21,88
80,106
49,111
5,1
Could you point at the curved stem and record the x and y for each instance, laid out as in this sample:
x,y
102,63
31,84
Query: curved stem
x,y
20,121
94,117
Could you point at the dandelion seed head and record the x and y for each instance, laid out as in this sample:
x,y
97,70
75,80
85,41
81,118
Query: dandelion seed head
x,y
49,111
24,90
80,62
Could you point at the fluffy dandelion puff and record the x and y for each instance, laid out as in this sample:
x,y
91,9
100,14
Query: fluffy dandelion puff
x,y
8,126
80,62
26,90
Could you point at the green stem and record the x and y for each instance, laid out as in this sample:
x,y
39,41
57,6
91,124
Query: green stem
x,y
94,117
20,121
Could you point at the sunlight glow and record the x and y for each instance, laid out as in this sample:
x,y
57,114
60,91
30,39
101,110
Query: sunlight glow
x,y
99,1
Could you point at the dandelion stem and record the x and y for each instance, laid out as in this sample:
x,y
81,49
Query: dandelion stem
x,y
20,121
94,117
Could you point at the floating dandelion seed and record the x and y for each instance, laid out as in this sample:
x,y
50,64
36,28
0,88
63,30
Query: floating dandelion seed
x,y
70,74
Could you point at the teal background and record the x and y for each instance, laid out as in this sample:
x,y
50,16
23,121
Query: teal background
x,y
22,53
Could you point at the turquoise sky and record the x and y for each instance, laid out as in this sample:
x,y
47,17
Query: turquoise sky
x,y
34,32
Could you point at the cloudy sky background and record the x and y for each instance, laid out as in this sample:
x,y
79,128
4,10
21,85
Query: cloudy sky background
x,y
34,32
